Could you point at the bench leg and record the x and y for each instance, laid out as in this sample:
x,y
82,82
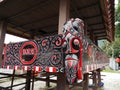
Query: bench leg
x,y
47,82
99,77
86,81
61,81
28,80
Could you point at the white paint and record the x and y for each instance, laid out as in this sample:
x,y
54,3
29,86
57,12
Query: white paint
x,y
50,69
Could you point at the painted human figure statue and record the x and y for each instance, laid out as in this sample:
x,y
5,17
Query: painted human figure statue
x,y
72,47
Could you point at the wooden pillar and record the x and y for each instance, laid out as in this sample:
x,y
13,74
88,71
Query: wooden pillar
x,y
96,42
28,80
63,14
99,77
92,36
33,79
86,81
3,28
94,80
12,78
61,81
63,17
85,29
48,82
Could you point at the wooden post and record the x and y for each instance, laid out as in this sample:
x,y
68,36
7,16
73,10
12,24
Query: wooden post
x,y
92,36
94,80
63,17
33,79
48,82
12,79
63,14
28,80
86,81
99,77
85,29
61,81
96,42
3,28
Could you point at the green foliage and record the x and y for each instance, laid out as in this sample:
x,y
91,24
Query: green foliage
x,y
116,47
117,19
117,30
107,48
117,12
112,49
116,44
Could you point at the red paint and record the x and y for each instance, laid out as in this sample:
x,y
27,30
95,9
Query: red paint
x,y
3,63
59,41
25,68
80,74
118,60
44,42
71,47
51,69
70,58
54,69
31,51
89,50
37,68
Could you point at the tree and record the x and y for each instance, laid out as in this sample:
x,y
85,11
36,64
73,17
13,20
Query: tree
x,y
116,47
117,12
106,47
112,49
117,20
117,30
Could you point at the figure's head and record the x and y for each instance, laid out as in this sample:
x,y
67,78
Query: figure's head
x,y
72,32
74,27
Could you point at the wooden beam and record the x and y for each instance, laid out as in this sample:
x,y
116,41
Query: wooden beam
x,y
17,32
96,41
75,9
63,14
38,20
28,9
99,31
88,6
96,29
94,16
85,29
3,27
92,36
101,34
95,23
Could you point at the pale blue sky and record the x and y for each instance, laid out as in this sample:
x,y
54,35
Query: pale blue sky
x,y
116,2
10,38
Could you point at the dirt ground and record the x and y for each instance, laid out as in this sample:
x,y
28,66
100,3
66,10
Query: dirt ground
x,y
111,82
